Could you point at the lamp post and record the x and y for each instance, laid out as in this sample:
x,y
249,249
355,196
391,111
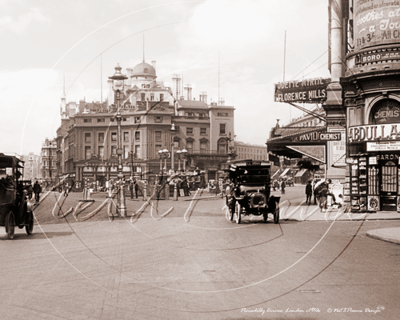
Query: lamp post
x,y
173,132
118,87
179,152
183,153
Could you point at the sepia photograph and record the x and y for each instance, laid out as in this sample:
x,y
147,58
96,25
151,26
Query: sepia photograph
x,y
200,159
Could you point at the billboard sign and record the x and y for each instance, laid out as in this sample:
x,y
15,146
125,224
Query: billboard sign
x,y
372,133
376,22
305,91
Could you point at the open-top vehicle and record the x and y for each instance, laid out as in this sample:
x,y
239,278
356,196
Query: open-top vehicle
x,y
15,210
249,191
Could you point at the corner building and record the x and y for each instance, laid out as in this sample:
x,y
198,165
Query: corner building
x,y
371,93
153,119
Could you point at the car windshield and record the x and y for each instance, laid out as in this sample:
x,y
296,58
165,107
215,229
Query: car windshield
x,y
253,176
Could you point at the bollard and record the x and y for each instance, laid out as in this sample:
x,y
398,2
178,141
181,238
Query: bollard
x,y
175,192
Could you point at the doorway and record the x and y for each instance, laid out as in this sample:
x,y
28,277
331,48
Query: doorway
x,y
389,186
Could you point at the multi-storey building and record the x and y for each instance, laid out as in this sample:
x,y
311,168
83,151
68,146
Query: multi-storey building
x,y
31,166
251,151
371,101
152,120
48,162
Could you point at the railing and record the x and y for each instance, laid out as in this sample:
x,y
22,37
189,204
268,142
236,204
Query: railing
x,y
212,152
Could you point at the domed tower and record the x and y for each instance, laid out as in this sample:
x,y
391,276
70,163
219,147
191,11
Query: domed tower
x,y
142,74
142,81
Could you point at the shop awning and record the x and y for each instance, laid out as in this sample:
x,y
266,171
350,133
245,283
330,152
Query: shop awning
x,y
290,142
284,173
301,173
275,174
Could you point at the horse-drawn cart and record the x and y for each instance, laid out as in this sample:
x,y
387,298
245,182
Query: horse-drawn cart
x,y
15,210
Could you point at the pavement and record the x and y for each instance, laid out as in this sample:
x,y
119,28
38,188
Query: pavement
x,y
292,207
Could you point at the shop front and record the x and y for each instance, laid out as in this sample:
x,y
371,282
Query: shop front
x,y
298,143
374,153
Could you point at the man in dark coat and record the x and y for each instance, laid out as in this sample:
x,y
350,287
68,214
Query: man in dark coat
x,y
37,189
135,183
308,192
131,186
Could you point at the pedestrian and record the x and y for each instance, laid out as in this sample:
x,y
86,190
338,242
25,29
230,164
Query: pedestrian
x,y
66,189
309,192
131,186
37,189
30,191
185,187
313,189
136,185
322,198
283,186
202,182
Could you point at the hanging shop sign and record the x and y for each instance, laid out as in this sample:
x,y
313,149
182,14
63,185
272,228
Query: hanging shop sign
x,y
374,133
376,22
317,136
305,91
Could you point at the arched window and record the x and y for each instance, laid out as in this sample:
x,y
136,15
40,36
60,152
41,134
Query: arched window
x,y
222,146
385,111
145,70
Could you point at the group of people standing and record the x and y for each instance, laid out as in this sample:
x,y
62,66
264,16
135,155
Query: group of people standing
x,y
321,193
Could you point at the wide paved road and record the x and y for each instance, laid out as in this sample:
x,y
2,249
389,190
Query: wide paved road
x,y
194,264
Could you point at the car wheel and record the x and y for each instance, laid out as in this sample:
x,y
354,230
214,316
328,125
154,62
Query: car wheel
x,y
10,228
238,211
29,227
231,211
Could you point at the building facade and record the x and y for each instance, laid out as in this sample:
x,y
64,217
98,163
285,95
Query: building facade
x,y
251,151
152,120
371,91
31,167
48,162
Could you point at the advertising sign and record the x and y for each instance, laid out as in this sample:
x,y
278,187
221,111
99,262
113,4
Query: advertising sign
x,y
338,149
368,57
382,132
376,22
316,136
383,146
305,91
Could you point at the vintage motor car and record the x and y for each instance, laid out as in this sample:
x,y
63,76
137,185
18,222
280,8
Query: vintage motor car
x,y
249,190
15,210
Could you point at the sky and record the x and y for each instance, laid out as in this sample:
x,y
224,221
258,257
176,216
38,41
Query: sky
x,y
231,49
